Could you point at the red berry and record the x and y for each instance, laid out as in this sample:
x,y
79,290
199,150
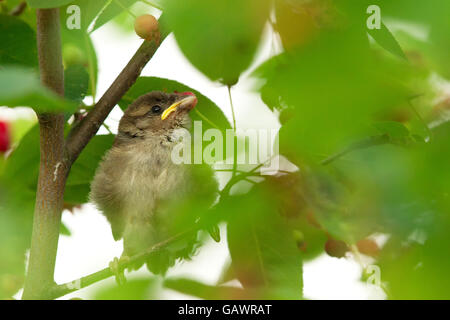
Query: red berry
x,y
336,248
146,27
368,247
5,140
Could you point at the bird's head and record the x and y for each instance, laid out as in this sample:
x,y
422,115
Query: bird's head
x,y
157,113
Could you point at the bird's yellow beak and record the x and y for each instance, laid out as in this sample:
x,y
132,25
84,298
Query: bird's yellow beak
x,y
188,101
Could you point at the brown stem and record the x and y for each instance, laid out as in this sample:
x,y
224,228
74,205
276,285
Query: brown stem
x,y
80,135
19,9
53,167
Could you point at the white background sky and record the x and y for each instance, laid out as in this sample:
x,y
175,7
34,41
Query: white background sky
x,y
91,245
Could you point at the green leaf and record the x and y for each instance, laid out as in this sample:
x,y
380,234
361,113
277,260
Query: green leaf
x,y
83,169
17,42
204,291
386,40
64,230
28,15
114,8
77,194
206,110
20,127
89,11
78,49
263,251
21,87
393,128
76,83
358,88
22,165
43,4
219,37
139,289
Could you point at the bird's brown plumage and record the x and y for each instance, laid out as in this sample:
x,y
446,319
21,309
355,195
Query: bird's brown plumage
x,y
137,182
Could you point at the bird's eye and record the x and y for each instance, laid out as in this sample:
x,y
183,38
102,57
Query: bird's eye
x,y
156,109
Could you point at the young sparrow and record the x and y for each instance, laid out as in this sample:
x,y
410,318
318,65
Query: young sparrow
x,y
141,191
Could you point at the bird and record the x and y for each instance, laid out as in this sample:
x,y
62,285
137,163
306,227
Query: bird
x,y
143,193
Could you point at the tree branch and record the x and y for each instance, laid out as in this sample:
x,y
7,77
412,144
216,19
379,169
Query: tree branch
x,y
58,156
53,167
81,134
83,282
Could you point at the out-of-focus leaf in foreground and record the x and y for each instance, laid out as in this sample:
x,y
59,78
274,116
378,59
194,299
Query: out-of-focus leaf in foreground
x,y
47,3
21,87
204,291
17,42
334,89
219,37
135,289
263,250
385,39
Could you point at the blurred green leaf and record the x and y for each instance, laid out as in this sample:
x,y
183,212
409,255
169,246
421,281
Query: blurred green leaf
x,y
386,40
28,15
83,169
16,214
431,15
76,83
418,267
22,165
64,230
47,3
430,168
112,9
392,128
357,87
263,252
77,194
77,46
140,289
17,42
89,11
219,37
20,127
208,292
21,87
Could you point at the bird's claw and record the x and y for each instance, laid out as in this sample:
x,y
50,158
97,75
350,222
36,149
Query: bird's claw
x,y
117,268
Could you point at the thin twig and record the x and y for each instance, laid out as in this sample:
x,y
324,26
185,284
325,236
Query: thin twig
x,y
83,282
80,135
365,143
120,4
205,118
232,108
421,119
107,128
153,5
19,9
234,137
